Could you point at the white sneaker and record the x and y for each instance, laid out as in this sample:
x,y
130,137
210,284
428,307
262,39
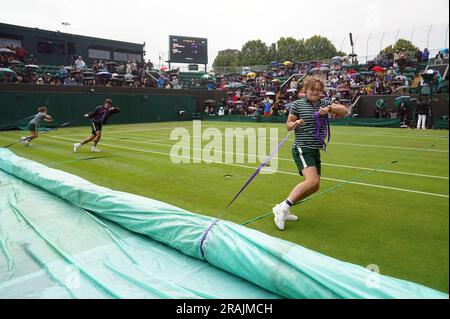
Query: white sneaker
x,y
280,216
95,150
23,140
76,146
291,218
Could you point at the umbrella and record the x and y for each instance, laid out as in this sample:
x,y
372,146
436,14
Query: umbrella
x,y
163,68
104,74
31,66
324,69
404,98
6,51
111,63
377,69
205,77
352,55
400,77
209,101
351,71
336,59
16,62
275,80
287,63
237,85
365,73
292,90
314,70
88,73
400,88
7,73
251,75
270,94
444,50
89,78
273,63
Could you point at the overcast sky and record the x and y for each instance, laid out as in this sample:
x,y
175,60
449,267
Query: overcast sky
x,y
230,23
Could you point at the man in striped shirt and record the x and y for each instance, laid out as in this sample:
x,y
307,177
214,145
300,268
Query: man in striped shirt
x,y
306,147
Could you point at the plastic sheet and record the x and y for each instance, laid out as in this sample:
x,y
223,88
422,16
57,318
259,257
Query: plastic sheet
x,y
277,266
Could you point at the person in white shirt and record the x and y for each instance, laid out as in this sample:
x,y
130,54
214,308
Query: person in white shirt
x,y
79,63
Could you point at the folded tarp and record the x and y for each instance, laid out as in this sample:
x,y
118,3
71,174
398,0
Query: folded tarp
x,y
50,248
284,268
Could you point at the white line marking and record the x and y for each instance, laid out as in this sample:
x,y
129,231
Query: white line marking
x,y
152,142
281,172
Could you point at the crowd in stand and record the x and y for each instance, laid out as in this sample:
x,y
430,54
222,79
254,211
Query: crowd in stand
x,y
262,93
258,92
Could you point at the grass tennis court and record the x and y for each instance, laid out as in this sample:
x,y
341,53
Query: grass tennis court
x,y
396,217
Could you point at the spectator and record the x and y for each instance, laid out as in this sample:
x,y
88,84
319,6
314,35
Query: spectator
x,y
134,68
422,111
21,54
418,55
160,82
95,66
32,60
267,105
79,63
128,68
425,55
439,59
176,83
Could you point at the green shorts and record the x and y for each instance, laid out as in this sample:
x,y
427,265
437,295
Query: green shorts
x,y
306,157
32,127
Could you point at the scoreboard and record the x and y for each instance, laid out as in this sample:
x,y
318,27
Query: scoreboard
x,y
188,49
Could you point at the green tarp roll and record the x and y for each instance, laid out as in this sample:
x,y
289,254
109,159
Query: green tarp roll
x,y
278,266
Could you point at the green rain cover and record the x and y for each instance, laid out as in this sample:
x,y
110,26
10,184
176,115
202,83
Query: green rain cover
x,y
218,254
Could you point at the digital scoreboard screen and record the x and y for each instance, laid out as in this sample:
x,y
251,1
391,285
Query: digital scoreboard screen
x,y
188,50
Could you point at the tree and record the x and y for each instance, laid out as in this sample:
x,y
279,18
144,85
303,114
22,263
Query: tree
x,y
399,45
272,55
319,48
229,57
254,52
290,49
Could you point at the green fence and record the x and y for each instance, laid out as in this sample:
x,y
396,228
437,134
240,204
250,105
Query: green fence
x,y
282,119
64,107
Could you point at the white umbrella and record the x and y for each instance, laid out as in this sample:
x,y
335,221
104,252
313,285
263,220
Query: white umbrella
x,y
270,94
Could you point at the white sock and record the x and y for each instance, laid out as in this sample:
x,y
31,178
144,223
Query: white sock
x,y
284,205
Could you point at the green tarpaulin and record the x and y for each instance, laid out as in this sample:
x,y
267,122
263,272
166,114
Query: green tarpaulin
x,y
54,225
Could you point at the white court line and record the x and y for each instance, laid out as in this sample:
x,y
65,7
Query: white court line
x,y
281,172
152,142
347,144
391,147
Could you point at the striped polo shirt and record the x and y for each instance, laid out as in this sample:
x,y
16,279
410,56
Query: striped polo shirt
x,y
305,134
